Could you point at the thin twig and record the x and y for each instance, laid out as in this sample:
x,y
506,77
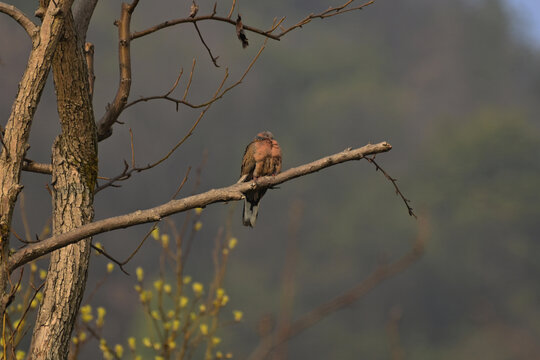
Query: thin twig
x,y
394,182
104,253
214,59
275,26
232,9
26,311
201,115
176,82
95,334
132,148
190,79
332,11
182,183
156,223
24,218
140,244
209,102
18,237
124,175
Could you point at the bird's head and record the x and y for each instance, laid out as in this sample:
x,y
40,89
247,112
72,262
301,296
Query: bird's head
x,y
265,135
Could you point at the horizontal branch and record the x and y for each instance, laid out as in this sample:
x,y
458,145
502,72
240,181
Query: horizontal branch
x,y
168,23
17,15
29,165
230,193
332,11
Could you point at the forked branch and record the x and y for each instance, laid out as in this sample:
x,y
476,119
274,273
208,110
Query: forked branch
x,y
332,11
230,193
216,96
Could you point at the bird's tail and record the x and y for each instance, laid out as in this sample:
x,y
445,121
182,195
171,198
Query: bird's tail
x,y
251,209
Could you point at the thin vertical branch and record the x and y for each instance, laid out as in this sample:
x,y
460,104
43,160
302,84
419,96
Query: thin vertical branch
x,y
122,94
232,9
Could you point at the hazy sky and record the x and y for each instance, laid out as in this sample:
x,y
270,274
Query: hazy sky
x,y
528,12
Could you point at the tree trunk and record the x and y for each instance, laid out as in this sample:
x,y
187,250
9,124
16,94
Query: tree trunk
x,y
74,164
18,128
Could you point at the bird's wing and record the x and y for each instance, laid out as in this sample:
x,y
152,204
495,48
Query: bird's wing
x,y
248,162
276,158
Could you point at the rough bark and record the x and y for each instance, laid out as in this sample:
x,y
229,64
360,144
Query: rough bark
x,y
18,127
74,171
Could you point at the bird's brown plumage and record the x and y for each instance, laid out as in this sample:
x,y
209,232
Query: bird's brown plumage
x,y
262,157
275,158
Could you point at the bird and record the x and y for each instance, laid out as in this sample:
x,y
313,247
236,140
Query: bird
x,y
262,157
240,32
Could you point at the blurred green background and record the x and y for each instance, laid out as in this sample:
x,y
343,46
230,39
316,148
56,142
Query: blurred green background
x,y
454,86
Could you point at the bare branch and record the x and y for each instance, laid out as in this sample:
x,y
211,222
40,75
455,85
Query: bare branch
x,y
214,59
176,82
231,193
332,11
182,183
113,111
24,218
190,79
169,23
110,257
124,175
232,9
128,259
32,166
28,307
216,97
394,182
17,15
276,24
